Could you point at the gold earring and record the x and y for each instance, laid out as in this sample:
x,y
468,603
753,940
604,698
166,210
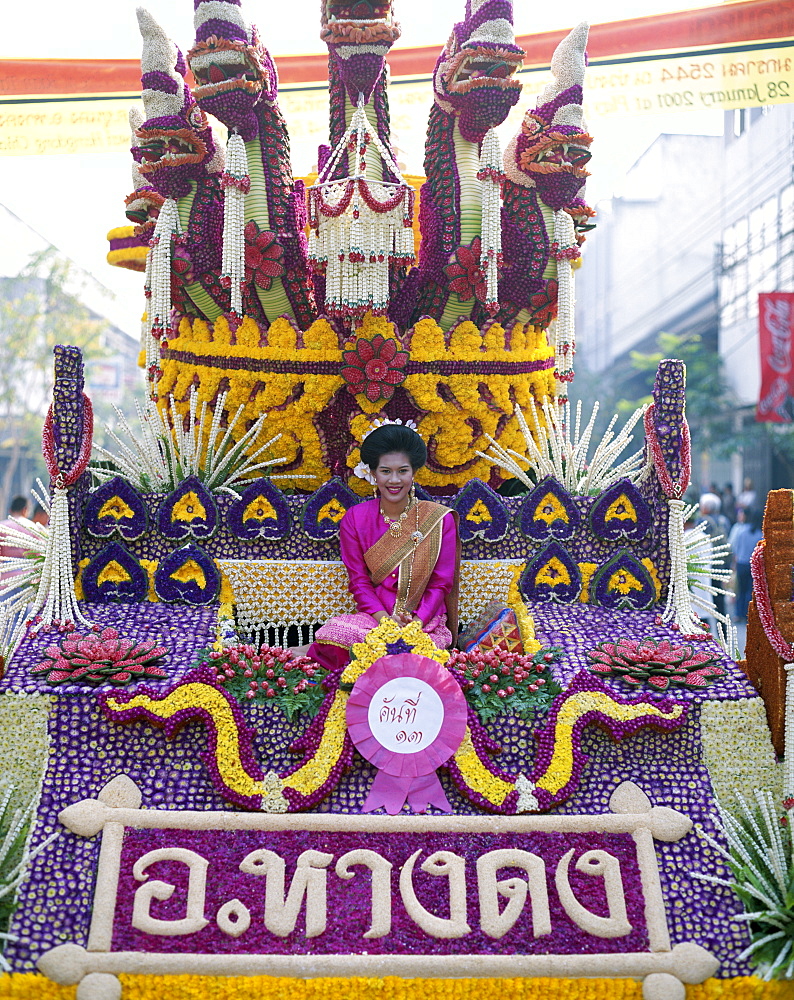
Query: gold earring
x,y
375,492
413,492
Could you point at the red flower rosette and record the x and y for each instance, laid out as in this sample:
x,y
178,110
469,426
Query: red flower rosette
x,y
374,367
407,716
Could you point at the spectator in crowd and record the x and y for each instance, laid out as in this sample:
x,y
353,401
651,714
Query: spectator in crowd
x,y
744,538
747,497
729,503
40,516
717,529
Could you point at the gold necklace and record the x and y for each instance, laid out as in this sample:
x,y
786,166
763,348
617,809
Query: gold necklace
x,y
416,538
395,524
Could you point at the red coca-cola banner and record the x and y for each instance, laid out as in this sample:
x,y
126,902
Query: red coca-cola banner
x,y
776,340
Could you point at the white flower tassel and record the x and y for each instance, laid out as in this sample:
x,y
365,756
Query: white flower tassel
x,y
236,183
55,599
678,609
491,175
788,750
158,288
565,249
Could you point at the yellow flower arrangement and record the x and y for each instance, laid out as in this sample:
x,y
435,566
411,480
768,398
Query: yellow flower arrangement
x,y
365,653
587,569
294,376
287,389
560,769
215,704
33,986
317,769
478,777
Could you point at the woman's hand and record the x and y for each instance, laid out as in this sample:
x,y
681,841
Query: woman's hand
x,y
405,618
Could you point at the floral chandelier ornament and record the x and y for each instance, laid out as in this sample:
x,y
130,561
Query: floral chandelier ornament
x,y
374,367
491,176
236,184
167,231
694,550
360,228
658,663
55,597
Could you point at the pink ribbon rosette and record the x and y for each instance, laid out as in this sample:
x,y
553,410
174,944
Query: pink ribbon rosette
x,y
406,715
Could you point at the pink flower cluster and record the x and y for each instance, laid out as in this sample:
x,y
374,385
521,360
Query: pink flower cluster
x,y
655,662
267,672
103,658
497,681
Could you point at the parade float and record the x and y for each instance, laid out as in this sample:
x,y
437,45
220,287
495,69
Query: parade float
x,y
590,790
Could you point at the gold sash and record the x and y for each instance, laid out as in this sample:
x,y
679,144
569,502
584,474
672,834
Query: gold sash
x,y
414,562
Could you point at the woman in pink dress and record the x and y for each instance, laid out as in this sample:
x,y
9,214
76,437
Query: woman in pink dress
x,y
402,554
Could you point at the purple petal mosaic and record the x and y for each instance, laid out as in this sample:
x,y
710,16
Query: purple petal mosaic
x,y
89,751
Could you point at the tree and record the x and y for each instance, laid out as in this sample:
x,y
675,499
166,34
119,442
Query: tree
x,y
39,308
709,405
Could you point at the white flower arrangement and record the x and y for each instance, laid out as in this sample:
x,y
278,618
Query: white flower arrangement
x,y
162,453
552,451
760,857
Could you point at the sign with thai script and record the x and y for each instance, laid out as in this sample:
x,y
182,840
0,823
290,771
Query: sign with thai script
x,y
776,343
320,894
733,55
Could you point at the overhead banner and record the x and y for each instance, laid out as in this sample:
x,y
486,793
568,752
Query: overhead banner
x,y
734,55
776,340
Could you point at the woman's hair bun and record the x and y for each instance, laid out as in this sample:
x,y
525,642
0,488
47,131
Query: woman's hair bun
x,y
390,438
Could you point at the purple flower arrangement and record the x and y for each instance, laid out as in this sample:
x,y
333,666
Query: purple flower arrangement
x,y
261,512
549,511
481,512
116,507
323,511
115,575
621,512
188,510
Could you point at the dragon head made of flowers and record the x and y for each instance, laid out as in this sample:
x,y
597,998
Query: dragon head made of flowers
x,y
552,148
233,70
474,78
174,144
359,36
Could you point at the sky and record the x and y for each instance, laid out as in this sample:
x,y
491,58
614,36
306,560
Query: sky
x,y
71,201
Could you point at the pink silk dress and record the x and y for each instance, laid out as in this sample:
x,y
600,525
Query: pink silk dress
x,y
359,529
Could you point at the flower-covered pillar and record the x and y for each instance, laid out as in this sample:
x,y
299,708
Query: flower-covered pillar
x,y
770,617
68,420
667,438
